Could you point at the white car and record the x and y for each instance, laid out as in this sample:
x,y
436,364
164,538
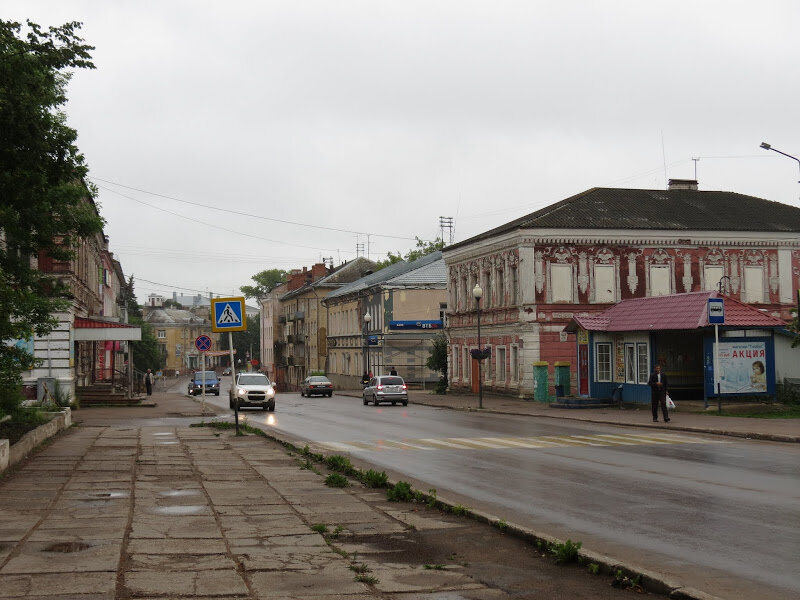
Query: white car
x,y
252,389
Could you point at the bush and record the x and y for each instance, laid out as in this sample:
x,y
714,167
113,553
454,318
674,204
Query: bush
x,y
441,386
374,479
401,492
337,462
567,552
336,480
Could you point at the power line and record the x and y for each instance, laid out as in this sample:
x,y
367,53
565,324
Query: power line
x,y
257,237
228,210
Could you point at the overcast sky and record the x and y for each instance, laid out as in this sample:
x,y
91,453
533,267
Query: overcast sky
x,y
310,124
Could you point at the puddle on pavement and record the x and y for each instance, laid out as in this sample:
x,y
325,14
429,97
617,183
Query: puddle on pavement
x,y
107,495
179,511
179,493
165,443
66,547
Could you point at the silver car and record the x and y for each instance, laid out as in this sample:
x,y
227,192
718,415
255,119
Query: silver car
x,y
386,388
252,389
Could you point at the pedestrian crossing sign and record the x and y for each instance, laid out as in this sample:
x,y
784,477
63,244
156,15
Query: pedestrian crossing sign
x,y
228,314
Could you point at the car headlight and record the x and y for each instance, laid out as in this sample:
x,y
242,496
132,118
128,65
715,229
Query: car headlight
x,y
271,392
240,392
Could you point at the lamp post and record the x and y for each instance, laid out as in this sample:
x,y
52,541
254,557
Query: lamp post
x,y
477,293
367,319
766,146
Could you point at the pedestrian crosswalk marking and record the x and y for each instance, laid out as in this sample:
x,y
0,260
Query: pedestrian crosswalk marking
x,y
494,443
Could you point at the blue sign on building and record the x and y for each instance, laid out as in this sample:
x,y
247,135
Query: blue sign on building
x,y
716,311
415,324
372,340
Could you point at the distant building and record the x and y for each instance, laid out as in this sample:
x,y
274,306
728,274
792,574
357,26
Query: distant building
x,y
176,331
406,302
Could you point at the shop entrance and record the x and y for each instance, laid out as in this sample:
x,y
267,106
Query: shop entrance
x,y
681,356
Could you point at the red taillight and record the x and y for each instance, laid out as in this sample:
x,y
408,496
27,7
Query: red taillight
x,y
405,387
379,387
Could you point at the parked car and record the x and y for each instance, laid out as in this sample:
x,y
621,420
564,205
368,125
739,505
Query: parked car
x,y
196,383
252,389
316,384
226,371
386,388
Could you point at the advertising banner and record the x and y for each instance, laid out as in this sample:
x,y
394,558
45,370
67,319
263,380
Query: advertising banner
x,y
743,367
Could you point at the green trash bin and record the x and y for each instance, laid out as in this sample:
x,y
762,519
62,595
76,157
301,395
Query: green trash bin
x,y
540,381
562,379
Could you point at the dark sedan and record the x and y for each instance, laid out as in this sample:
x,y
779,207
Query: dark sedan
x,y
316,384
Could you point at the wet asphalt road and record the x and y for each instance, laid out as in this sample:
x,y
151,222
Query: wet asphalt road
x,y
720,513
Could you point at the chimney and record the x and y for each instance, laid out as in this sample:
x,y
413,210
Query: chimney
x,y
682,184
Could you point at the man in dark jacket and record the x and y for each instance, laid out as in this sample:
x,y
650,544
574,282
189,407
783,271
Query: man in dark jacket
x,y
658,393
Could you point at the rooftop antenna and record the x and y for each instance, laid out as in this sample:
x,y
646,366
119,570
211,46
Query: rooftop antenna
x,y
696,160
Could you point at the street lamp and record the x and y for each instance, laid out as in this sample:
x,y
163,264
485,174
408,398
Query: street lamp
x,y
477,293
766,146
367,319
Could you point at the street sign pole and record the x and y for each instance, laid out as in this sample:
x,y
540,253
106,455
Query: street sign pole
x,y
233,384
229,314
203,371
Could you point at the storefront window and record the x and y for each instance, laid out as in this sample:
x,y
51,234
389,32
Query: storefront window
x,y
604,362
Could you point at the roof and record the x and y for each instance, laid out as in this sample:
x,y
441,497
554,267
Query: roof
x,y
674,312
343,274
433,274
84,323
391,275
673,210
168,316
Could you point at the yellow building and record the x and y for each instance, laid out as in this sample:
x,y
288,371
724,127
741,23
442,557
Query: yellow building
x,y
176,331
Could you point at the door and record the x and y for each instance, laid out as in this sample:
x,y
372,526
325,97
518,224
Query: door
x,y
583,370
476,373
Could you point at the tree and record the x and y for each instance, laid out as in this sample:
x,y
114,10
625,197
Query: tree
x,y
423,248
437,361
146,353
266,281
46,204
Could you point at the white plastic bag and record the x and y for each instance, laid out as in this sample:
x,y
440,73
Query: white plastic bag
x,y
670,403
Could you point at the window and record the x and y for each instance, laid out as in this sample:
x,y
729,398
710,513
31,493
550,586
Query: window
x,y
659,280
487,290
561,283
514,363
162,334
643,362
630,363
753,285
514,286
501,288
455,355
500,366
467,363
604,287
603,362
712,276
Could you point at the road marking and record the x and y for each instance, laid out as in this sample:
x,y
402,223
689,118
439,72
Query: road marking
x,y
495,443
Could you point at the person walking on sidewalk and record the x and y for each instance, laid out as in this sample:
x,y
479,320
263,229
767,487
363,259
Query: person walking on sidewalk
x,y
149,380
658,394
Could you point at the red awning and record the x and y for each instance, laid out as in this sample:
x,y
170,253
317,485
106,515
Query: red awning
x,y
94,330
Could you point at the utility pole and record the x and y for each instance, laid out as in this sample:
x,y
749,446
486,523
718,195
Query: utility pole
x,y
446,223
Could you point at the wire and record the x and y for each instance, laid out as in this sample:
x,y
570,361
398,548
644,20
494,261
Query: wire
x,y
244,214
257,237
